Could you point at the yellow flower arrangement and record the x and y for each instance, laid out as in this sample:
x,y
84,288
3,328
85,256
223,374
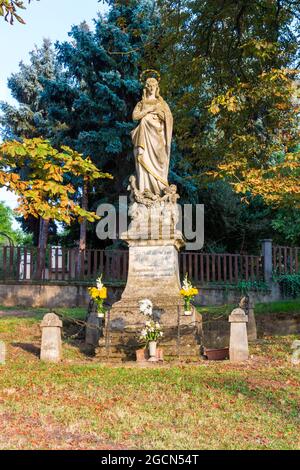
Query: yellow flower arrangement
x,y
188,292
99,294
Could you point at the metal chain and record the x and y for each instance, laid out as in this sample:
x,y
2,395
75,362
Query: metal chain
x,y
83,324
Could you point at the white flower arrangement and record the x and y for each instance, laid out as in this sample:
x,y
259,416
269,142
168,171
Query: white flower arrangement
x,y
151,332
99,282
146,307
186,285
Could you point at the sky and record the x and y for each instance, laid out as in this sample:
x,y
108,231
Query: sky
x,y
44,19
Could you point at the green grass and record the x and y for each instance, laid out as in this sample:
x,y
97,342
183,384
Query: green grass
x,y
84,404
283,306
286,306
38,313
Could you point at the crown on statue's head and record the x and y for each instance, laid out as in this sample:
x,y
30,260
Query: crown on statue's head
x,y
149,73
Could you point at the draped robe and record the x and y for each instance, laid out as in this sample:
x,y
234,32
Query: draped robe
x,y
153,135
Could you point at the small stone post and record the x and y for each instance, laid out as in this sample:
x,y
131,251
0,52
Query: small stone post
x,y
296,353
252,329
267,253
2,353
92,331
51,349
238,349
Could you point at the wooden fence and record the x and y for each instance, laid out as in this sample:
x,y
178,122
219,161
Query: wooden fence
x,y
71,265
61,264
286,259
230,268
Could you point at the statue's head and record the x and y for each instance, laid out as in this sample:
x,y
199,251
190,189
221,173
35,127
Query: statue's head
x,y
152,87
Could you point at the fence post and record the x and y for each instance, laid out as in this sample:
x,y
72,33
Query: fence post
x,y
267,254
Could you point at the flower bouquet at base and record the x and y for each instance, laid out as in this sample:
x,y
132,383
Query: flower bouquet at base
x,y
99,294
150,336
188,292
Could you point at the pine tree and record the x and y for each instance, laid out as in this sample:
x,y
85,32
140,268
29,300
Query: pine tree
x,y
29,118
90,106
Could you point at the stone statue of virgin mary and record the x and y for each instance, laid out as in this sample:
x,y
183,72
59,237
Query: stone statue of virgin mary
x,y
152,140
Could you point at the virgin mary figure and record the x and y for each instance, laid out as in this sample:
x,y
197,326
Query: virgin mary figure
x,y
152,140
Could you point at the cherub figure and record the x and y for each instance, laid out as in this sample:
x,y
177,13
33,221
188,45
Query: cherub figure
x,y
170,211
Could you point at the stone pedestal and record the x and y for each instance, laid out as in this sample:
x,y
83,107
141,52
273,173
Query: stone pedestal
x,y
153,270
153,274
238,348
51,348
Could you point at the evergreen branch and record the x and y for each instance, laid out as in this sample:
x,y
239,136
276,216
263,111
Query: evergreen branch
x,y
132,51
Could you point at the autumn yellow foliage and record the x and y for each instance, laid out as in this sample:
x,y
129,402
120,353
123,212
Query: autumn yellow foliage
x,y
262,158
46,193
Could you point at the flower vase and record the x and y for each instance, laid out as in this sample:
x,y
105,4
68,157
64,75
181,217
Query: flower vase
x,y
152,350
100,309
187,308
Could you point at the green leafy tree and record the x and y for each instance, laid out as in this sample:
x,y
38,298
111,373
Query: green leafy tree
x,y
228,68
210,47
258,128
286,225
232,226
7,234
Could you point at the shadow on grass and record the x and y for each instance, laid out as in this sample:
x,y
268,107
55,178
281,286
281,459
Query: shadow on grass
x,y
87,350
30,348
268,398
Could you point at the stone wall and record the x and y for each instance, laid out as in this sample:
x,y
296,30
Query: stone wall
x,y
222,295
28,294
216,332
37,295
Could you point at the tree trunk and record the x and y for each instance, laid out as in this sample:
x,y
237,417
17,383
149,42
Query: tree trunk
x,y
83,229
43,238
43,235
83,225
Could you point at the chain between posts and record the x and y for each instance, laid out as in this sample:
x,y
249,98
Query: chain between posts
x,y
84,323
